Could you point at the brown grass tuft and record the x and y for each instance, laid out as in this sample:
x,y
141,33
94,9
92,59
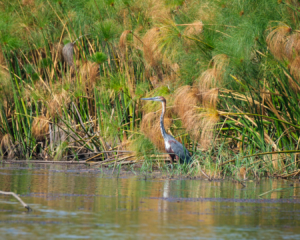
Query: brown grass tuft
x,y
207,11
136,40
208,119
212,77
276,40
292,46
154,81
123,40
295,72
208,79
157,10
150,48
56,102
6,89
294,14
7,146
40,128
89,73
151,127
124,14
185,100
153,42
56,52
199,123
2,59
209,98
195,28
192,30
220,62
27,2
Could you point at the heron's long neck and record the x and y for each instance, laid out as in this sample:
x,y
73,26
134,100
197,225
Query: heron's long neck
x,y
162,128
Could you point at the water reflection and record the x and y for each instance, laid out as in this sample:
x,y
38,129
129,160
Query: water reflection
x,y
76,203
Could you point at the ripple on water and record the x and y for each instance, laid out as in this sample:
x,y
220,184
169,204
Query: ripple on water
x,y
71,203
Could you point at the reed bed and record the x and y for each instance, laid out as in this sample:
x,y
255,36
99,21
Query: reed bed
x,y
71,78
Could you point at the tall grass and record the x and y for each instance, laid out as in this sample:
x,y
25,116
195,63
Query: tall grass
x,y
71,78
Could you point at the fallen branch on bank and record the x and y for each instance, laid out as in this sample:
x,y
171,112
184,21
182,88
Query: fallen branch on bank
x,y
18,198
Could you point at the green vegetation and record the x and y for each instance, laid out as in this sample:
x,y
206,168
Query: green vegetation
x,y
72,74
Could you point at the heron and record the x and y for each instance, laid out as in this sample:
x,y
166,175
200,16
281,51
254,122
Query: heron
x,y
172,146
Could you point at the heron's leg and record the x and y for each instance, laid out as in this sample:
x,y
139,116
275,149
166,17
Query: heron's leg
x,y
172,158
177,158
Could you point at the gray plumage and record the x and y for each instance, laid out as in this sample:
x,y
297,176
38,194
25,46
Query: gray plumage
x,y
172,146
67,52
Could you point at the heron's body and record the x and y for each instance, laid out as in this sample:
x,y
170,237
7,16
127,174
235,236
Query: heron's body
x,y
172,146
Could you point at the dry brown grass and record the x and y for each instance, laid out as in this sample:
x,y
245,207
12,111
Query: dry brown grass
x,y
208,119
192,30
220,62
7,146
212,77
151,127
28,2
199,123
277,39
136,40
56,52
185,100
293,14
125,16
40,128
154,81
89,73
56,102
150,47
6,90
157,52
123,41
2,59
152,54
207,11
209,98
157,10
292,46
208,79
295,72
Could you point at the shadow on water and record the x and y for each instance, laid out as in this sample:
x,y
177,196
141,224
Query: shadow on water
x,y
73,203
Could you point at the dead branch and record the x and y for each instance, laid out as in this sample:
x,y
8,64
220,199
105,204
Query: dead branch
x,y
18,198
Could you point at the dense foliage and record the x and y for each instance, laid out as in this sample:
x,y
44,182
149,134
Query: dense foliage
x,y
72,74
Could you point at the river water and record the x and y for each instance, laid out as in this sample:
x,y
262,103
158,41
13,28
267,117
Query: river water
x,y
72,202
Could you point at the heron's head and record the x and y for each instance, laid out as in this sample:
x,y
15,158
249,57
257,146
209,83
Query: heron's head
x,y
158,99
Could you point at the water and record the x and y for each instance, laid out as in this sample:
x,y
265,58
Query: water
x,y
73,203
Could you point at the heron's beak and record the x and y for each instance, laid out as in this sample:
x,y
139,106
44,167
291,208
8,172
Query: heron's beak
x,y
150,99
